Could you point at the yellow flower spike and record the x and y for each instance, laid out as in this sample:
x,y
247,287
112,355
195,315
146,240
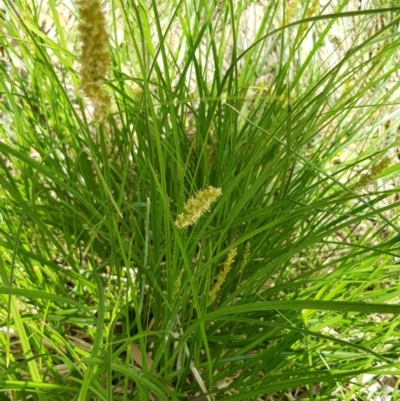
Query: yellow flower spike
x,y
95,56
197,206
312,8
372,175
222,275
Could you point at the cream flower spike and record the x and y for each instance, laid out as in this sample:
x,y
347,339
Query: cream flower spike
x,y
95,56
197,206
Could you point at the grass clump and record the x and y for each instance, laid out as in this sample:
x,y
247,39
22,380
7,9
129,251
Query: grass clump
x,y
281,123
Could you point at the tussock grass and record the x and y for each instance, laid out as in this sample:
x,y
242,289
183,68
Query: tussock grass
x,y
286,285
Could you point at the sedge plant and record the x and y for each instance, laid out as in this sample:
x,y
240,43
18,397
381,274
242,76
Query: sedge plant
x,y
199,199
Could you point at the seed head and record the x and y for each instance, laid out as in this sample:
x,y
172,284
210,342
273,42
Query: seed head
x,y
312,8
372,175
95,56
222,275
197,206
177,285
246,257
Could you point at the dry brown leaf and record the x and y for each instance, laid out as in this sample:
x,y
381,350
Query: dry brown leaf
x,y
137,356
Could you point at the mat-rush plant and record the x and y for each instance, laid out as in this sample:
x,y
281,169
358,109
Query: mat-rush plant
x,y
287,281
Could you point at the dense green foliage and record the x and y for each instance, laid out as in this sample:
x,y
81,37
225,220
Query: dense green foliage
x,y
289,282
